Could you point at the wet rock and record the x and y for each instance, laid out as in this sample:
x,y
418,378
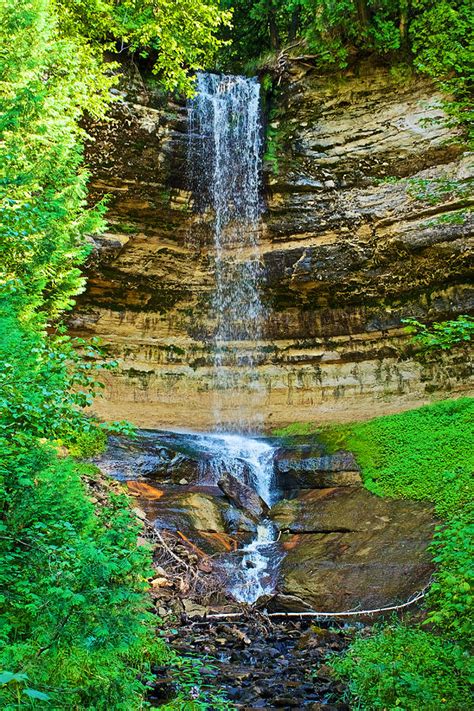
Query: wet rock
x,y
187,511
259,664
237,520
282,602
298,471
347,549
151,493
144,457
244,497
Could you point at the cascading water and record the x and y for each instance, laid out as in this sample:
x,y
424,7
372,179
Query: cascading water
x,y
225,161
251,461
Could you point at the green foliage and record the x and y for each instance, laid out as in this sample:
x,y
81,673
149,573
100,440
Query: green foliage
x,y
402,668
423,454
72,579
45,85
436,190
435,38
180,36
45,384
441,336
451,595
73,606
443,47
452,218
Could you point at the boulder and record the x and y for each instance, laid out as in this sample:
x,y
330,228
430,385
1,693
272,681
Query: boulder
x,y
244,497
193,510
186,511
347,549
295,470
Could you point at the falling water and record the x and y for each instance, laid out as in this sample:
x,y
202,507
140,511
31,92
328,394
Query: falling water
x,y
225,161
249,460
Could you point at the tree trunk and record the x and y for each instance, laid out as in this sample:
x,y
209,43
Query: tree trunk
x,y
295,24
362,12
272,26
404,14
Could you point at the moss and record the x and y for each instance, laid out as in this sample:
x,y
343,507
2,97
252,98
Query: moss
x,y
423,454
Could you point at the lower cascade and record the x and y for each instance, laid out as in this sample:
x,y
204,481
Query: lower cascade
x,y
251,461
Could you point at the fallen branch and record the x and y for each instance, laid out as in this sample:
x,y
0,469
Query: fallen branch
x,y
322,615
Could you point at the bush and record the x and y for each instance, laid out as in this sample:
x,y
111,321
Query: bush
x,y
451,595
406,669
74,613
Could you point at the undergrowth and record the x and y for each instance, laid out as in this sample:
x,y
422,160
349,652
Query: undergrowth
x,y
424,454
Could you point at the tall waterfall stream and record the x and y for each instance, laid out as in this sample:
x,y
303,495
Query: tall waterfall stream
x,y
225,162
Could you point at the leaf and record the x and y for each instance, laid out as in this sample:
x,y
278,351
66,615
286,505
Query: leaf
x,y
34,694
6,677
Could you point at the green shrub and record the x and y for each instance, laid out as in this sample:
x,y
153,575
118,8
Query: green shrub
x,y
441,336
451,595
73,583
406,669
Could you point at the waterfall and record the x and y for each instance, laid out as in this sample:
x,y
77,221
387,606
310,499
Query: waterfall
x,y
249,460
224,165
225,161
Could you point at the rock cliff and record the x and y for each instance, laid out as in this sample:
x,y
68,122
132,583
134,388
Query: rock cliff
x,y
366,222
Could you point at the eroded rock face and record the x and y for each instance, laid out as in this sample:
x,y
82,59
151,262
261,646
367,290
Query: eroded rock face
x,y
347,549
296,470
351,243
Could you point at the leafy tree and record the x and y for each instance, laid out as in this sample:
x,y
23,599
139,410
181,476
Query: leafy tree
x,y
180,36
45,86
441,336
442,42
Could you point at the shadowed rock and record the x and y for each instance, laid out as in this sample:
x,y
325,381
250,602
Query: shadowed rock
x,y
348,549
296,471
243,497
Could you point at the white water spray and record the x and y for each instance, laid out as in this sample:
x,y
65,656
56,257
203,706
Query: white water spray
x,y
225,161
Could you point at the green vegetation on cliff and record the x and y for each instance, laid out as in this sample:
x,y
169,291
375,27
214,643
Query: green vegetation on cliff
x,y
435,38
424,454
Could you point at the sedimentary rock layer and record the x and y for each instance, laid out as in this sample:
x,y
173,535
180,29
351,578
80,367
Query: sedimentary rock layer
x,y
366,223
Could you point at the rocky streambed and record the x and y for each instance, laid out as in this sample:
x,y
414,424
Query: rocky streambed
x,y
333,547
261,663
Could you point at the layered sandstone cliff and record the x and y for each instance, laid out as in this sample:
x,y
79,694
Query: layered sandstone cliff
x,y
366,223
